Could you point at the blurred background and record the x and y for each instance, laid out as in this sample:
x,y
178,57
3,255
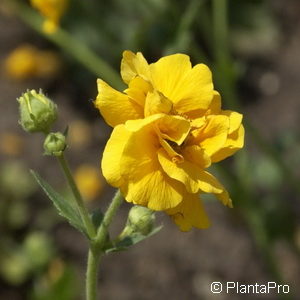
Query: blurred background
x,y
253,48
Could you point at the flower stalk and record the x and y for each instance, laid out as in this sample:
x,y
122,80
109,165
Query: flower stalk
x,y
98,238
96,248
110,213
92,273
80,205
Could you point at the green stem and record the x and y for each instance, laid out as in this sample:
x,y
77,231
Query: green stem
x,y
80,205
183,37
92,273
75,48
96,248
220,30
225,73
111,211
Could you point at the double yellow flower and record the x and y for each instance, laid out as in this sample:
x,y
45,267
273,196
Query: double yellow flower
x,y
168,128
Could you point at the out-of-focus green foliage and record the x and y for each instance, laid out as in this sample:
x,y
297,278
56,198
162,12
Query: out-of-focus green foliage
x,y
30,257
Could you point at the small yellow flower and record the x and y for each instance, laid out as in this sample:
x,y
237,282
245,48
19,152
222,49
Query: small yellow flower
x,y
26,61
89,181
168,129
52,10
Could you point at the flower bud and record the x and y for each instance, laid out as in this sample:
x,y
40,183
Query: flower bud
x,y
37,112
140,219
55,144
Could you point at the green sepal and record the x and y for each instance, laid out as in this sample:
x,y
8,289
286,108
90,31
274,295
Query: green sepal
x,y
131,240
65,209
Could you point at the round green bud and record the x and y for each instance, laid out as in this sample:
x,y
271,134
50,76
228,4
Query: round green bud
x,y
37,112
55,144
140,219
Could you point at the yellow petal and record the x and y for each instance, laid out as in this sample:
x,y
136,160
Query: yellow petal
x,y
175,156
174,128
198,122
136,125
194,178
235,120
196,90
144,181
138,89
189,213
213,109
115,107
213,136
133,65
157,103
224,198
168,74
234,142
139,155
155,190
215,105
195,154
112,155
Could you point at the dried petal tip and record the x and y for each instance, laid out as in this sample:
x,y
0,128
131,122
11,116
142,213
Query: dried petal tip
x,y
37,112
55,144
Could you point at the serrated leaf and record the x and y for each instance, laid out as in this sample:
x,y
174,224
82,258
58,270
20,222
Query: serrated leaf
x,y
62,205
133,239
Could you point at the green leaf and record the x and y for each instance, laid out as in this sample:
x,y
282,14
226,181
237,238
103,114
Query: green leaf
x,y
130,240
97,218
63,206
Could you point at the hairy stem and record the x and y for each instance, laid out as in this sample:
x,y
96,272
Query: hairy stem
x,y
96,248
92,273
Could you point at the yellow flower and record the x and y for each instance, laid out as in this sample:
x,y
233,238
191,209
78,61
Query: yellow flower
x,y
89,182
52,10
168,128
26,61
